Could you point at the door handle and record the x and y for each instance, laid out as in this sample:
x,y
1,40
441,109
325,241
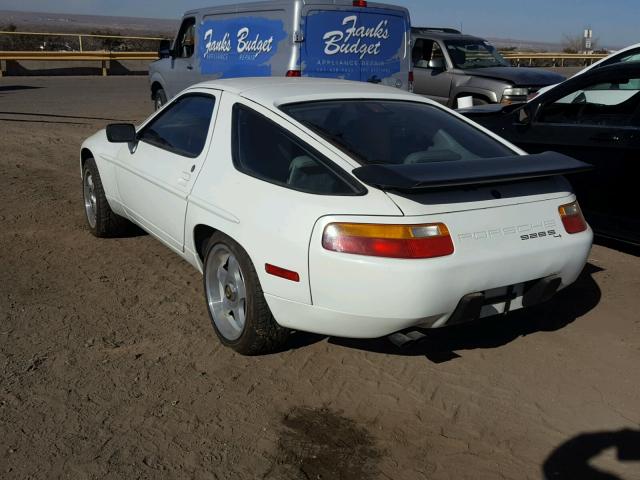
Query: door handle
x,y
189,67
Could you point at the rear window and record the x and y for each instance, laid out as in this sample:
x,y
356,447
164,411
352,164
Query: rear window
x,y
395,132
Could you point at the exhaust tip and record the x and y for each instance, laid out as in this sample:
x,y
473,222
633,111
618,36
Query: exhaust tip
x,y
403,340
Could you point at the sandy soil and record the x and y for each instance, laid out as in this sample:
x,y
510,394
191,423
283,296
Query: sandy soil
x,y
110,368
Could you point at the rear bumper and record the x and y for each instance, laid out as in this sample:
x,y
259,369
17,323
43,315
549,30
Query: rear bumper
x,y
364,297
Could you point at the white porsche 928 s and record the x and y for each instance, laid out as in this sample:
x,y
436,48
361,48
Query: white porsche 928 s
x,y
339,208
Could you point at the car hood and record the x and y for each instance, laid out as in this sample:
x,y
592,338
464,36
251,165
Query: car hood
x,y
518,76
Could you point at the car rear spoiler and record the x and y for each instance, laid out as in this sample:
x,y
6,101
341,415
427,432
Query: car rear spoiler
x,y
458,173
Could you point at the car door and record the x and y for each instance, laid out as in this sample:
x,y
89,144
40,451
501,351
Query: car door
x,y
182,71
596,121
156,175
434,83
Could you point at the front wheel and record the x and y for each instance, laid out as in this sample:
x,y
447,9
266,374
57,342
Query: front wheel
x,y
238,310
101,220
159,99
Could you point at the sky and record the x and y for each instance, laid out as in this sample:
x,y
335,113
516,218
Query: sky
x,y
615,22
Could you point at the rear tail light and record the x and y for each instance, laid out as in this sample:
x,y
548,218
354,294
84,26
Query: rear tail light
x,y
411,81
359,3
294,73
572,218
392,241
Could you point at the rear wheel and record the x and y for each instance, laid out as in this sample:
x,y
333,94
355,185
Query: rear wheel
x,y
101,220
238,310
159,99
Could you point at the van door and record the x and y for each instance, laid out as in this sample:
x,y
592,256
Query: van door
x,y
363,44
182,71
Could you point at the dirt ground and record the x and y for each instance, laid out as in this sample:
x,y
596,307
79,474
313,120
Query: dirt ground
x,y
109,367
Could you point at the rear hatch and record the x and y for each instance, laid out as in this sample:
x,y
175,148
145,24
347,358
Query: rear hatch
x,y
357,43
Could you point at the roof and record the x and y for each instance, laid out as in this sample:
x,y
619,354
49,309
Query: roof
x,y
271,4
270,91
441,33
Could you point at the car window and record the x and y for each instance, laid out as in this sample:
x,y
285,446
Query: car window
x,y
424,51
182,127
628,56
396,132
471,53
185,42
267,151
604,103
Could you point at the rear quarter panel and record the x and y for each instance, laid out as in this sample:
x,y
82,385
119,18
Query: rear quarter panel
x,y
272,223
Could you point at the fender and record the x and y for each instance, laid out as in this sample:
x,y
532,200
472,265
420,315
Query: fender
x,y
466,90
156,77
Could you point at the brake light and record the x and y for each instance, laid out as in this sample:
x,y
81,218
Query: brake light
x,y
281,272
411,81
359,3
572,218
392,241
294,73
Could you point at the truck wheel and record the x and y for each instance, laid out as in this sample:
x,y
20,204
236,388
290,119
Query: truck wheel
x,y
101,220
479,101
159,99
237,308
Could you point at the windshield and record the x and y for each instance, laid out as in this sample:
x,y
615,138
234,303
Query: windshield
x,y
632,55
466,54
395,132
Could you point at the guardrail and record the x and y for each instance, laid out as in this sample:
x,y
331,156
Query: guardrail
x,y
79,36
102,57
557,59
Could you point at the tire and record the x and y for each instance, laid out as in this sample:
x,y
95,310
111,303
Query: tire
x,y
159,98
479,101
237,308
101,220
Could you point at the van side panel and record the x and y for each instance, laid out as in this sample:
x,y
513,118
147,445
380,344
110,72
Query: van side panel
x,y
363,44
249,44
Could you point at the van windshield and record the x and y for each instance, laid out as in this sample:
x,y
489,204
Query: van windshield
x,y
395,132
466,54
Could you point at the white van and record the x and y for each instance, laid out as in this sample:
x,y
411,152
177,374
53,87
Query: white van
x,y
348,39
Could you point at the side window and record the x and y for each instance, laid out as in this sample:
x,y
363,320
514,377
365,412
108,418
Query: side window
x,y
185,41
437,51
611,103
182,127
266,151
422,51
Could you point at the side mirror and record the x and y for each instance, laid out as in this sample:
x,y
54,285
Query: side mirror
x,y
164,50
437,64
121,133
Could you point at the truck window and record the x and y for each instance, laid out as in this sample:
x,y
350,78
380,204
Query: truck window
x,y
424,51
185,42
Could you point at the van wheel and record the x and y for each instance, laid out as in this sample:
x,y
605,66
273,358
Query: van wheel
x,y
237,308
159,99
